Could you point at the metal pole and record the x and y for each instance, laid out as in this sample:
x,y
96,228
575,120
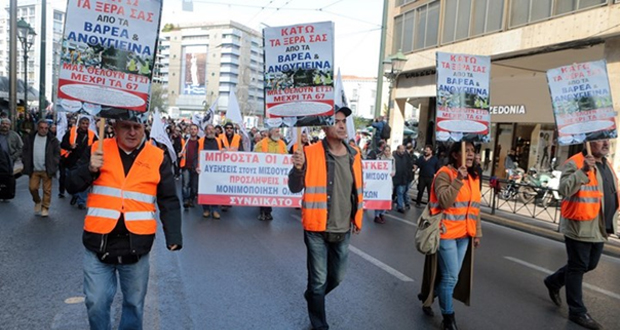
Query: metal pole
x,y
42,64
381,57
13,62
25,48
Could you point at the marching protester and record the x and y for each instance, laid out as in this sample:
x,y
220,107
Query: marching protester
x,y
404,168
177,143
10,150
428,165
210,142
413,159
40,157
385,155
230,140
456,195
271,144
589,214
188,164
75,141
304,142
128,177
331,210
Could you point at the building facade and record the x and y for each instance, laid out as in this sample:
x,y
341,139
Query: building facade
x,y
361,93
30,11
198,64
524,39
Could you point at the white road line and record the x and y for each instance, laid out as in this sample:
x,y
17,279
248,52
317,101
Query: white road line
x,y
380,264
547,271
374,260
401,220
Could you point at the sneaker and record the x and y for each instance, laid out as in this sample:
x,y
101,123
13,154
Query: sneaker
x,y
73,200
37,209
400,211
268,217
61,195
261,217
81,206
407,207
377,220
186,204
216,216
45,212
206,214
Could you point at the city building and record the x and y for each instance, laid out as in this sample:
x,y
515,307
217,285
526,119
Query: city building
x,y
30,11
199,63
524,39
361,93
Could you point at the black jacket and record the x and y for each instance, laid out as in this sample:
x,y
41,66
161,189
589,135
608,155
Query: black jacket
x,y
82,144
296,178
404,168
114,243
52,154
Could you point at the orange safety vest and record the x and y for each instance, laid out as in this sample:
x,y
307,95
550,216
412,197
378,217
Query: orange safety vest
x,y
585,204
460,219
314,200
133,196
73,137
234,145
201,142
265,146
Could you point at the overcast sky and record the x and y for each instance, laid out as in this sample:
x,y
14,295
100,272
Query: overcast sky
x,y
357,22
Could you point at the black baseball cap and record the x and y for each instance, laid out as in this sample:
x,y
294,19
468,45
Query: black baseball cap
x,y
345,110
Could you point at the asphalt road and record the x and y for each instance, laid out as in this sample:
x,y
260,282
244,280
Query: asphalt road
x,y
241,273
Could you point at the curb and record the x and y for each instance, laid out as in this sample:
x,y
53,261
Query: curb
x,y
610,249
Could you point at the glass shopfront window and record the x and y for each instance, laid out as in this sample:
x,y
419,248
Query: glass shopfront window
x,y
416,29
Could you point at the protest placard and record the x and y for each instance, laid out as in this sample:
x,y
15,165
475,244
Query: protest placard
x,y
377,184
108,51
299,75
463,98
261,179
582,103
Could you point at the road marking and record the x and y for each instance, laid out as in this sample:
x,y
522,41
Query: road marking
x,y
547,271
74,300
374,260
401,220
380,264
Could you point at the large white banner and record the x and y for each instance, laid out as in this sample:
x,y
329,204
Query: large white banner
x,y
261,179
108,51
299,75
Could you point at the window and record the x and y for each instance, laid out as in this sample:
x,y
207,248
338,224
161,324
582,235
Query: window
x,y
58,16
487,16
467,18
404,2
527,11
416,29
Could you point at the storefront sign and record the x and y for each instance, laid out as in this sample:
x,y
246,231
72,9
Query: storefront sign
x,y
582,102
108,51
508,109
261,179
299,75
463,98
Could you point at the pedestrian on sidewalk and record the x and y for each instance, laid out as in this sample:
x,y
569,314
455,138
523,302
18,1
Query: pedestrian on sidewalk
x,y
404,167
331,173
272,144
428,165
130,180
589,214
455,194
385,155
210,142
75,141
40,157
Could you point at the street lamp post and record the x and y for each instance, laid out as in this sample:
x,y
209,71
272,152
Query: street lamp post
x,y
26,34
392,67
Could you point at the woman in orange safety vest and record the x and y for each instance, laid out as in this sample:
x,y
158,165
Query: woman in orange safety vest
x,y
456,195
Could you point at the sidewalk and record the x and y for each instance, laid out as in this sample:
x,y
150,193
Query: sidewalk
x,y
518,216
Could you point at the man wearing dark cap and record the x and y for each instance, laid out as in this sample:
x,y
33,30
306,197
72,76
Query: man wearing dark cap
x,y
129,178
331,210
230,140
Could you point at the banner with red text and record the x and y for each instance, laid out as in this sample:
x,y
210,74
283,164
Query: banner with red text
x,y
582,102
261,179
377,184
108,51
463,98
299,75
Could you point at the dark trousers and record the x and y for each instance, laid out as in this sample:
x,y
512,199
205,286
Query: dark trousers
x,y
424,183
582,258
61,178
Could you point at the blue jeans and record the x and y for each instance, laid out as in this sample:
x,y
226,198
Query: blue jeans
x,y
100,287
379,212
400,196
451,255
327,264
190,184
81,196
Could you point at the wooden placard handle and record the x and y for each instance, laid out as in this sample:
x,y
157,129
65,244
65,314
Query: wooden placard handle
x,y
463,153
588,148
299,146
101,133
